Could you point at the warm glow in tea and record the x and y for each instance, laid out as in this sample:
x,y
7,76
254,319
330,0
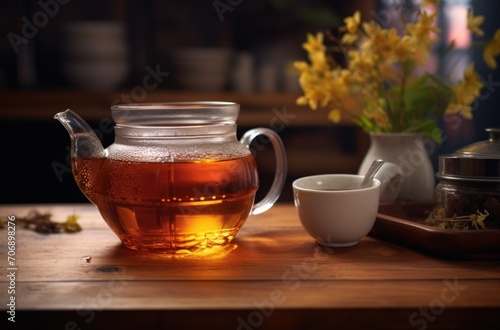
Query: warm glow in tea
x,y
170,207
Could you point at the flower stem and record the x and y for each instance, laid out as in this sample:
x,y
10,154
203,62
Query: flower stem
x,y
401,105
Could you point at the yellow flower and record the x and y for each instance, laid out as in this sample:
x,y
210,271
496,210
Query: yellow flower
x,y
318,60
473,23
316,51
302,100
492,50
379,42
362,66
301,66
465,93
315,84
71,225
458,108
384,84
472,80
349,39
403,50
374,36
314,44
420,33
351,25
335,115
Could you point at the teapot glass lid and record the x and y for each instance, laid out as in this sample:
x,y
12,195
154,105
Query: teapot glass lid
x,y
175,113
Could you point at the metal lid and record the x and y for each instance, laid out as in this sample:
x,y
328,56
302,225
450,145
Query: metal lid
x,y
489,148
479,161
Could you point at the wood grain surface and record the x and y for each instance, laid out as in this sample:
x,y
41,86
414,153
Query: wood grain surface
x,y
272,276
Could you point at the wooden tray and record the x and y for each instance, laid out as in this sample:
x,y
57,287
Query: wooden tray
x,y
404,224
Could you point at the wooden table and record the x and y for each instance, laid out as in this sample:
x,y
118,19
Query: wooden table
x,y
273,276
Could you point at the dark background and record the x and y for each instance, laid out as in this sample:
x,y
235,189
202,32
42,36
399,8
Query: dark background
x,y
32,147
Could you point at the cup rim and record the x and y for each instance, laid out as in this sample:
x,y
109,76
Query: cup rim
x,y
296,184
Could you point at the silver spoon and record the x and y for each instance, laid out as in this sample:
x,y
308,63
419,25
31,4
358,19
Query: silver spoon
x,y
374,167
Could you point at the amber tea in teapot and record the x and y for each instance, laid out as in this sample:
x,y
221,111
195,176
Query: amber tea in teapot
x,y
175,179
177,202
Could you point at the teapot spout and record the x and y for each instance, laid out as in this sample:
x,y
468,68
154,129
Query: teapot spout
x,y
84,141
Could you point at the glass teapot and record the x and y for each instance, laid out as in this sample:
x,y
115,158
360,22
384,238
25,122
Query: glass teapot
x,y
176,179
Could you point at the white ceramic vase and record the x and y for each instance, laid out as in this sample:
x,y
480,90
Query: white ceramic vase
x,y
406,153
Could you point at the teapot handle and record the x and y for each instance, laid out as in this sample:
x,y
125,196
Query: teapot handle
x,y
281,166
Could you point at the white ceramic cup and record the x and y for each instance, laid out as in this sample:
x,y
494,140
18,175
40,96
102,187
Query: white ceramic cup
x,y
334,210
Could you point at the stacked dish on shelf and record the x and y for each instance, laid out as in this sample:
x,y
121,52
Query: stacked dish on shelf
x,y
95,55
201,68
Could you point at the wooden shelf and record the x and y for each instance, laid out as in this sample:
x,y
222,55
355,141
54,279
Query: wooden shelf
x,y
257,109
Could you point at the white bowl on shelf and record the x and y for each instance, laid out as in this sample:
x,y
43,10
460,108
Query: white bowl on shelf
x,y
96,75
95,55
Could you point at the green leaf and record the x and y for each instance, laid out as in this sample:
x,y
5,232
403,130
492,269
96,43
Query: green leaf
x,y
366,124
425,99
428,127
